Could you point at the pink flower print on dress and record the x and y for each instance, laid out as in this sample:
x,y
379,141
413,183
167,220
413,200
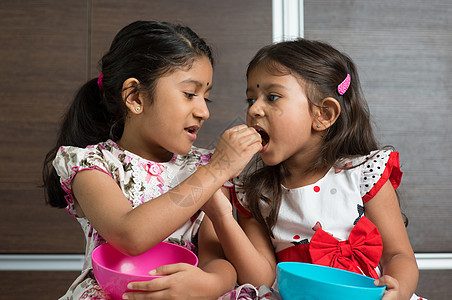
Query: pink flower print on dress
x,y
160,186
98,239
94,292
190,246
203,159
154,169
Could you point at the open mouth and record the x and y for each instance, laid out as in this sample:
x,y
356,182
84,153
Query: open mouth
x,y
192,129
265,137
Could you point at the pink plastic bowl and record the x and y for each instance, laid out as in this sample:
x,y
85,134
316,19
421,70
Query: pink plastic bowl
x,y
114,270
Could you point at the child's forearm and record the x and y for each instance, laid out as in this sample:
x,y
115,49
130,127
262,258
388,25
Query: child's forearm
x,y
403,268
177,205
252,266
134,231
223,277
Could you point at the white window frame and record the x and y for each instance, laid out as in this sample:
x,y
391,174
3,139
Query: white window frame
x,y
288,21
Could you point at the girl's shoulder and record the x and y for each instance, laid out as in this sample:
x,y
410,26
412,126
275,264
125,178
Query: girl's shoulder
x,y
105,156
374,170
375,157
102,147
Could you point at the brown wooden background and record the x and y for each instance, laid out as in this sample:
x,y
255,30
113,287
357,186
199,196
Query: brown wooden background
x,y
48,48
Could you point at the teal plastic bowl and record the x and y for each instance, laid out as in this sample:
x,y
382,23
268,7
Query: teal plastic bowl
x,y
308,281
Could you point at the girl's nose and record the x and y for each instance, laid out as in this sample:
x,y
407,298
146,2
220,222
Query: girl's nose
x,y
256,109
201,110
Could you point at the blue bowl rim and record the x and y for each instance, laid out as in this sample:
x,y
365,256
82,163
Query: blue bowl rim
x,y
334,270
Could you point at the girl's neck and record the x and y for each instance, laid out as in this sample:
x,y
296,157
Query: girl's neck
x,y
300,170
296,178
158,154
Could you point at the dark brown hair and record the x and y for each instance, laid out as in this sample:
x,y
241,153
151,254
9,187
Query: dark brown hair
x,y
320,68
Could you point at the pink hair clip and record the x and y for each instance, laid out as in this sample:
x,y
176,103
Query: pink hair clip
x,y
343,86
99,81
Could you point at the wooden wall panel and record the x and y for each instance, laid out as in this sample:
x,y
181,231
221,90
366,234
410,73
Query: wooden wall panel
x,y
236,30
403,53
19,285
43,56
434,284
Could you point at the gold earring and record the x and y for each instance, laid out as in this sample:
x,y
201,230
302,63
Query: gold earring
x,y
318,125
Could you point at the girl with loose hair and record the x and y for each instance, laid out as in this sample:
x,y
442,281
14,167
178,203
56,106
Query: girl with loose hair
x,y
325,191
125,166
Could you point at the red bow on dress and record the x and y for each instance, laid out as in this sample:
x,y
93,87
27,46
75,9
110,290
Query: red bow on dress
x,y
361,253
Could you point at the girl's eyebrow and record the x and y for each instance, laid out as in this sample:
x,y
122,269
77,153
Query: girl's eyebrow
x,y
267,86
197,83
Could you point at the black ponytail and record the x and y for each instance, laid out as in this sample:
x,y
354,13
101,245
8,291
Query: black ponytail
x,y
84,124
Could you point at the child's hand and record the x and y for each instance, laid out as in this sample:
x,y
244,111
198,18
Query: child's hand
x,y
183,281
235,149
392,287
218,206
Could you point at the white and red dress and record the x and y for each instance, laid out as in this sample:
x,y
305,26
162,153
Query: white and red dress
x,y
324,223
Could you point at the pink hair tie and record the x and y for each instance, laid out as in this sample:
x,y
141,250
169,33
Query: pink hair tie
x,y
343,86
99,81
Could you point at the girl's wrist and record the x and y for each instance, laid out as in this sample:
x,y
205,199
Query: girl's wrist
x,y
226,166
218,173
221,220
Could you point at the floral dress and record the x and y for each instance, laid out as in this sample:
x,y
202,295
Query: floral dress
x,y
324,223
140,180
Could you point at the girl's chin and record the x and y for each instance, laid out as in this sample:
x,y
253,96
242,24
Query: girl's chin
x,y
268,160
183,150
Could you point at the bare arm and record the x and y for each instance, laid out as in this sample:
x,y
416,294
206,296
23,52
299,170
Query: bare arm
x,y
398,259
134,231
247,245
213,262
